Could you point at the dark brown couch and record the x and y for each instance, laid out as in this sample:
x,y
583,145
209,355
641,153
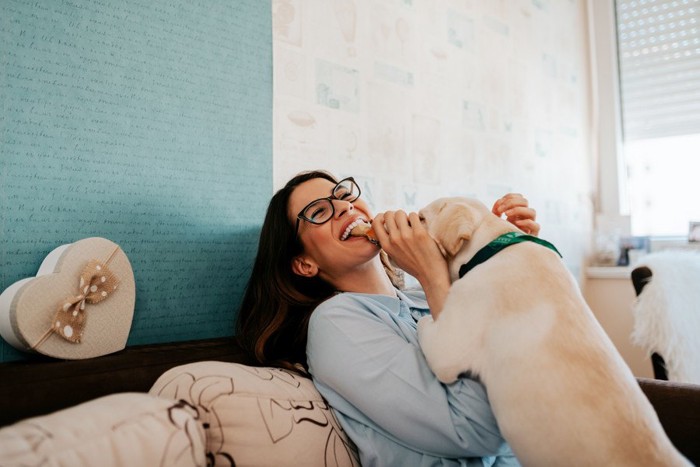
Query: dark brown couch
x,y
41,386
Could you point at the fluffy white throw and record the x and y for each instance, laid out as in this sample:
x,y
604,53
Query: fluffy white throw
x,y
667,313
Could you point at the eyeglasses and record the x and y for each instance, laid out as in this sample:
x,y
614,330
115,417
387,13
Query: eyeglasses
x,y
322,210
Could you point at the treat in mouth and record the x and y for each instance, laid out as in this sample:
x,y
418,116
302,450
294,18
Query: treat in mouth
x,y
360,228
364,230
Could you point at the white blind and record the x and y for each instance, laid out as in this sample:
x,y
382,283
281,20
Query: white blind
x,y
659,54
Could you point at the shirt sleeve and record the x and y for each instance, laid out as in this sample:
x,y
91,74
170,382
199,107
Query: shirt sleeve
x,y
384,376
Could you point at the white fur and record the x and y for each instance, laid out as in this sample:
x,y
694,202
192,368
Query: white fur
x,y
560,391
667,313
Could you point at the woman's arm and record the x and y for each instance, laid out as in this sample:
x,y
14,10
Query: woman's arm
x,y
408,244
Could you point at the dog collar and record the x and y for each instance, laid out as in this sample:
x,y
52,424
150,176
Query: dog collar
x,y
504,241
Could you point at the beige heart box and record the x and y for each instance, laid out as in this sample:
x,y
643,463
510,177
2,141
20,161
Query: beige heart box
x,y
30,309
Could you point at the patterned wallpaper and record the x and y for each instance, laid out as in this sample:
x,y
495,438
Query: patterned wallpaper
x,y
423,98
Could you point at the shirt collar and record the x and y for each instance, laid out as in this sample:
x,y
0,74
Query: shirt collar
x,y
413,301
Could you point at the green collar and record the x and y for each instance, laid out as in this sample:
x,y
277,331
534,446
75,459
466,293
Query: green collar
x,y
504,241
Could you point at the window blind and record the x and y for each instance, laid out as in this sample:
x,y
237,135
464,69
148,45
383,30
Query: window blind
x,y
659,55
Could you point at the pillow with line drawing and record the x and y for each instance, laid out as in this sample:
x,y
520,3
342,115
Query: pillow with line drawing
x,y
133,429
259,416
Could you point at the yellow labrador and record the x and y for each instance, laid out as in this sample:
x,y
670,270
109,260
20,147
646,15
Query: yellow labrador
x,y
560,391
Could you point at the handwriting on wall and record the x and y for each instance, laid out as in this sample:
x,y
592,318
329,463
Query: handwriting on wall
x,y
147,123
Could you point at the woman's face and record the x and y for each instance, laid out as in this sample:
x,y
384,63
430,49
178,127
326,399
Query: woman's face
x,y
323,243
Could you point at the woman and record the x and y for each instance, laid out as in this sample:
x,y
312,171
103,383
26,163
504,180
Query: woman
x,y
316,293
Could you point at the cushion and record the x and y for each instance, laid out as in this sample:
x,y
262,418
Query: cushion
x,y
259,416
131,429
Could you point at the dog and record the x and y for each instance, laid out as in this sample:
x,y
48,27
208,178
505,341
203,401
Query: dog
x,y
517,322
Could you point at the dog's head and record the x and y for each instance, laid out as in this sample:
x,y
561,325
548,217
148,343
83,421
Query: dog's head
x,y
452,221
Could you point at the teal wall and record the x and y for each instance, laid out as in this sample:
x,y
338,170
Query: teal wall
x,y
148,123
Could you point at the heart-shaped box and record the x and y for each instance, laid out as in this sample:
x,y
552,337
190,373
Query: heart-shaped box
x,y
31,310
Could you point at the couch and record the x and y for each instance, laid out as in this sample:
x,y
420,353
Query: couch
x,y
40,386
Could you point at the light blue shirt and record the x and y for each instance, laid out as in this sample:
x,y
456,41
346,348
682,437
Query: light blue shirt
x,y
364,358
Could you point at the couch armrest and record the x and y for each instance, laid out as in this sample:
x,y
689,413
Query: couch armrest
x,y
678,408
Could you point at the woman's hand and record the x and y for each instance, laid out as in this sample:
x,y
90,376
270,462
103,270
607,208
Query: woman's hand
x,y
410,247
517,212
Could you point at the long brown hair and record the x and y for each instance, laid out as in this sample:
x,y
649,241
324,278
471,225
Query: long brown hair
x,y
274,316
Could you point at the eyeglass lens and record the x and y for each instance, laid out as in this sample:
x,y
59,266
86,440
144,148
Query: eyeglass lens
x,y
319,211
346,190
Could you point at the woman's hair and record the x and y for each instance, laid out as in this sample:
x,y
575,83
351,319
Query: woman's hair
x,y
274,316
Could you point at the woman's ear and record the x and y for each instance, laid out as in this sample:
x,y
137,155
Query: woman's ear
x,y
303,266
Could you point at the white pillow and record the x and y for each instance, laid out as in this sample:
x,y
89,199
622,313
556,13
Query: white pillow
x,y
126,429
259,416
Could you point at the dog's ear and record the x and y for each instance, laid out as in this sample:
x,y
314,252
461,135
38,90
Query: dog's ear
x,y
452,227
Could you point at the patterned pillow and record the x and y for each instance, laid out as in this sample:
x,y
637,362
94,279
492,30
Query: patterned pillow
x,y
121,429
259,416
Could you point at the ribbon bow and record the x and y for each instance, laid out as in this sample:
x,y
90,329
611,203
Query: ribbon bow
x,y
97,282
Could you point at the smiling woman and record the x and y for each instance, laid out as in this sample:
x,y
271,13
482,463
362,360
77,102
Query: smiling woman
x,y
327,252
320,301
285,286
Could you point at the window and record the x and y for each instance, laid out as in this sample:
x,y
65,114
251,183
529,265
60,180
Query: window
x,y
659,64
